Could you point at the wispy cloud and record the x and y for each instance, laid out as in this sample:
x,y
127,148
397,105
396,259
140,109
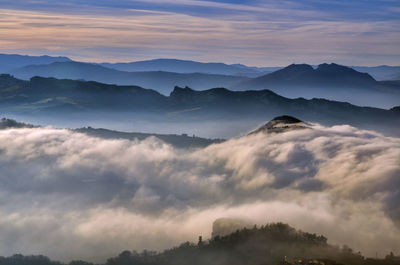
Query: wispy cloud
x,y
232,37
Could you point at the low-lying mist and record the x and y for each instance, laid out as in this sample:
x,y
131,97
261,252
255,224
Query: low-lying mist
x,y
68,195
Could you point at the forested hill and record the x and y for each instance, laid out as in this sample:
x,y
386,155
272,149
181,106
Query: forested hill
x,y
270,244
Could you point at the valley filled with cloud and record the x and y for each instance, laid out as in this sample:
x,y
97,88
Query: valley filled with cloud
x,y
68,195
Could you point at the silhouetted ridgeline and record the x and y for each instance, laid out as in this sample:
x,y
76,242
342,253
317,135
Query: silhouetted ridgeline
x,y
270,244
161,81
330,81
57,98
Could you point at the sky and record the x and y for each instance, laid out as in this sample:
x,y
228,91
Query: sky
x,y
252,32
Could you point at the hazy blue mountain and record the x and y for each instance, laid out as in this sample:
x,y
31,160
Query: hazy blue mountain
x,y
184,66
329,81
329,75
69,95
380,73
163,82
220,101
9,62
49,96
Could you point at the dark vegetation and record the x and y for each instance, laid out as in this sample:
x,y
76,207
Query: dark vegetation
x,y
270,244
281,124
10,123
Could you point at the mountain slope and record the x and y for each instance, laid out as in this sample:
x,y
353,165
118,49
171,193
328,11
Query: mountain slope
x,y
281,124
329,81
185,66
380,73
329,75
163,82
49,96
9,62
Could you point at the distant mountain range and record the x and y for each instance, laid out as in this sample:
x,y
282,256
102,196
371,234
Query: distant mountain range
x,y
382,72
331,81
163,82
184,66
325,75
9,62
179,141
49,96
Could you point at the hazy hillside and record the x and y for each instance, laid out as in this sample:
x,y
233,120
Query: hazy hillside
x,y
163,82
9,62
54,97
184,66
380,73
330,81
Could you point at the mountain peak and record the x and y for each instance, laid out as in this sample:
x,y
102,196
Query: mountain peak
x,y
286,119
299,67
338,69
281,124
333,67
296,68
291,72
180,91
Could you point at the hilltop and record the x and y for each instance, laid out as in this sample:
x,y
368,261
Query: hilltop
x,y
274,244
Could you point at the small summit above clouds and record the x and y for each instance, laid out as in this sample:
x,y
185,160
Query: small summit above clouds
x,y
281,124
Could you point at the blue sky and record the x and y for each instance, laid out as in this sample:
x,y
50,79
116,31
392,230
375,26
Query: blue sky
x,y
262,33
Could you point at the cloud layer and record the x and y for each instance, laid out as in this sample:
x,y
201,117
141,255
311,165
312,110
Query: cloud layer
x,y
68,195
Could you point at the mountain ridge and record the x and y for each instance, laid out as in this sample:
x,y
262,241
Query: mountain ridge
x,y
57,96
331,81
189,66
304,74
156,80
